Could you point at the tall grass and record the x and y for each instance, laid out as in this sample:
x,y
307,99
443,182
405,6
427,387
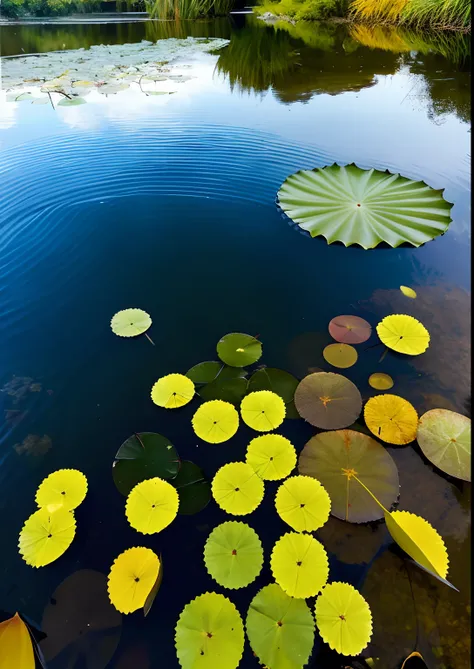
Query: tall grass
x,y
187,9
447,14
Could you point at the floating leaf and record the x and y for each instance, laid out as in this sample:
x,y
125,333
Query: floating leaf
x,y
403,334
280,629
130,322
40,101
15,97
239,350
299,565
71,102
46,535
207,372
193,488
81,626
172,391
237,489
233,554
112,89
340,355
209,634
132,578
408,292
279,382
350,329
420,540
354,206
215,421
143,456
16,648
335,457
445,439
380,381
391,418
303,503
152,505
82,84
343,618
271,456
328,401
65,488
263,410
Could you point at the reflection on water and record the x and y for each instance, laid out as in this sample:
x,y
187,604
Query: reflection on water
x,y
167,203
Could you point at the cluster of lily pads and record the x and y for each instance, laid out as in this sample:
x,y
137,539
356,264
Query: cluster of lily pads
x,y
73,74
342,471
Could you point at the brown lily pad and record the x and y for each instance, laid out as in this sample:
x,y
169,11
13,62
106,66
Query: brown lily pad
x,y
334,458
328,401
349,329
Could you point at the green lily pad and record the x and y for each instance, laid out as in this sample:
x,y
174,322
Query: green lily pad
x,y
233,554
209,371
445,439
280,629
40,101
239,350
333,458
71,102
193,488
278,381
19,97
112,89
217,381
366,207
143,456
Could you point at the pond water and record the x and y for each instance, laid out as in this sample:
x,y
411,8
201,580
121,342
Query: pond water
x,y
167,203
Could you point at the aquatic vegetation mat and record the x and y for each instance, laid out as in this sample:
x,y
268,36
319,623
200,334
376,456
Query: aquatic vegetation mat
x,y
233,554
280,629
108,69
366,207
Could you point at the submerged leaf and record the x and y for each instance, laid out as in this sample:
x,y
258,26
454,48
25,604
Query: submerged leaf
x,y
403,334
445,439
193,488
366,207
299,565
215,421
334,458
350,329
209,634
233,554
154,591
16,648
239,350
271,456
280,629
237,489
172,391
303,503
152,505
340,355
143,456
328,401
343,618
46,535
130,322
65,488
263,410
132,577
391,418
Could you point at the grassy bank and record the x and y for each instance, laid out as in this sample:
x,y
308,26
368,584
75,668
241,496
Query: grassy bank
x,y
421,14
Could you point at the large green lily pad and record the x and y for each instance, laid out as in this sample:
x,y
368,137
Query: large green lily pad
x,y
143,456
334,457
209,371
366,207
280,629
278,381
238,350
445,438
217,381
193,488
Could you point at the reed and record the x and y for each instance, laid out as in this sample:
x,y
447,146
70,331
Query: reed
x,y
187,9
438,14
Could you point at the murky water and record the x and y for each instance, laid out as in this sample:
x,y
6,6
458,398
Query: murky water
x,y
167,203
